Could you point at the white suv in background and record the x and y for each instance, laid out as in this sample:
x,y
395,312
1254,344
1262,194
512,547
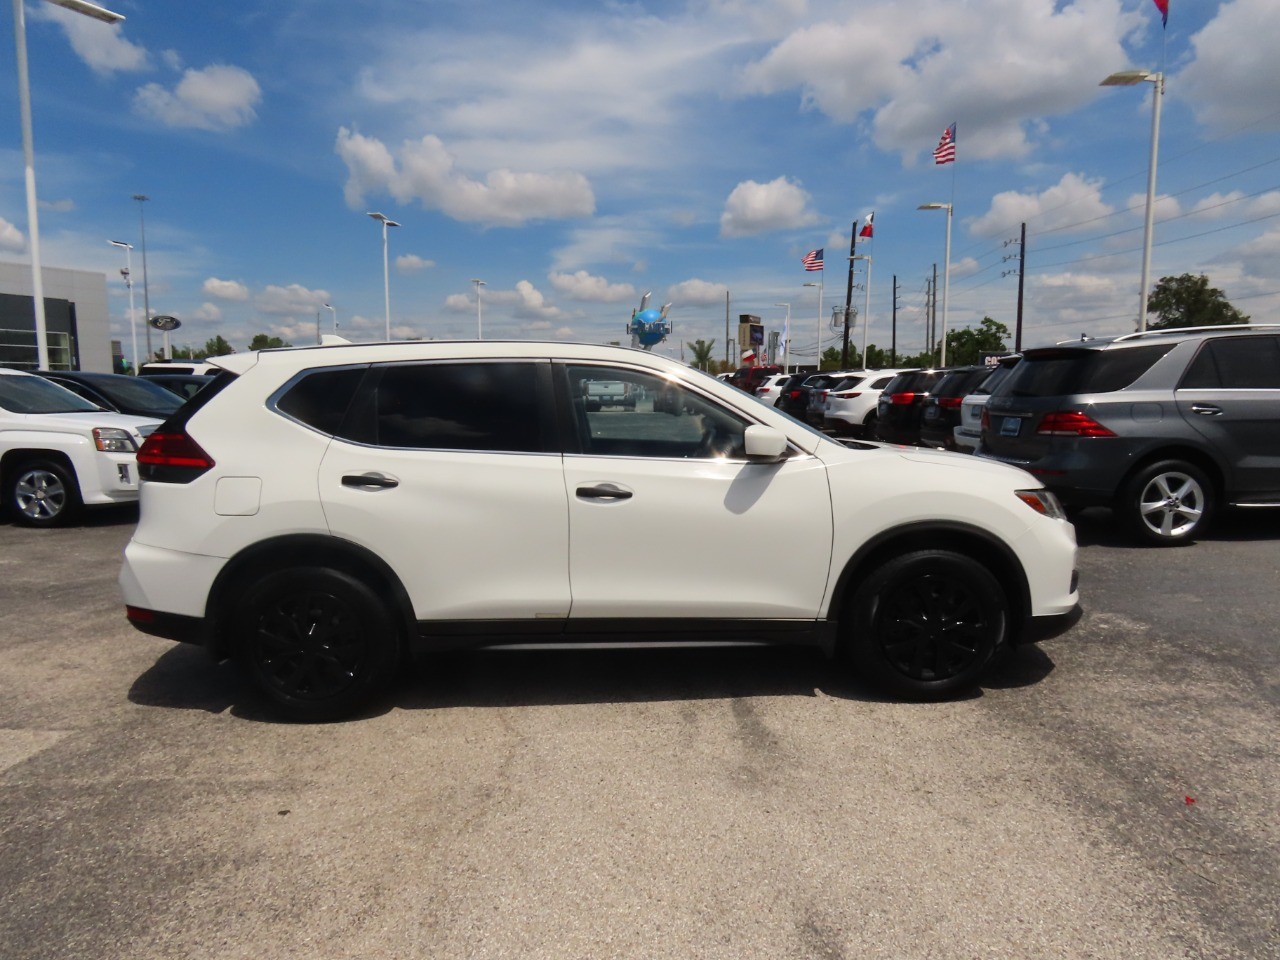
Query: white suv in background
x,y
850,405
769,391
60,452
318,512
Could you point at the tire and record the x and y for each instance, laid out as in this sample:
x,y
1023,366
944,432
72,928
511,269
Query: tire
x,y
869,426
42,493
317,643
925,625
1167,503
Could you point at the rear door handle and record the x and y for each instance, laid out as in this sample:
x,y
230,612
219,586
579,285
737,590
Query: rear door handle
x,y
604,491
1206,409
369,480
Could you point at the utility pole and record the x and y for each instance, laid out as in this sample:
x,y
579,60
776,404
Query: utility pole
x,y
893,341
848,299
727,364
933,315
1022,276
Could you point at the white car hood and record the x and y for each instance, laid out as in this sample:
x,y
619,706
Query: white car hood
x,y
82,423
1000,472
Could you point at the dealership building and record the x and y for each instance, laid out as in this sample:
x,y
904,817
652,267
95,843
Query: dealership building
x,y
77,324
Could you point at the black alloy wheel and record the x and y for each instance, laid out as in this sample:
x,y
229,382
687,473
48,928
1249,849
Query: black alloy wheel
x,y
926,624
42,493
318,643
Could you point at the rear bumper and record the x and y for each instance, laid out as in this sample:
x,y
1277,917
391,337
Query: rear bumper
x,y
169,626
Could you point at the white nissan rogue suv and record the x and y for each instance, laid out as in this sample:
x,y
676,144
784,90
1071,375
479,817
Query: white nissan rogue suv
x,y
318,513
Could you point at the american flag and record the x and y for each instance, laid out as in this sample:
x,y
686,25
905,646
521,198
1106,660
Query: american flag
x,y
946,149
813,259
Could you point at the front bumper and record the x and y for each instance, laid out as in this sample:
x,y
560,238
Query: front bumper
x,y
1036,629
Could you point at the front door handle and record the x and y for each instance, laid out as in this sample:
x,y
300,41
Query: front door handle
x,y
604,491
1206,409
369,480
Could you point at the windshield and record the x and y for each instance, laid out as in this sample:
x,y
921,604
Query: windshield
x,y
30,394
139,394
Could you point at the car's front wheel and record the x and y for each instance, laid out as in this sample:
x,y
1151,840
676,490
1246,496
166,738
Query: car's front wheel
x,y
1167,503
317,642
926,624
42,493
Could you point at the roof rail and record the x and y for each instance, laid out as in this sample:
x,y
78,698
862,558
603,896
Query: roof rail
x,y
1211,328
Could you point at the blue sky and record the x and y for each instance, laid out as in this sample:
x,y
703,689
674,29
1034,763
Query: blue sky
x,y
575,155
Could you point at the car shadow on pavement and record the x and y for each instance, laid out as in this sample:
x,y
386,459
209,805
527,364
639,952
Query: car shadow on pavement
x,y
184,678
118,515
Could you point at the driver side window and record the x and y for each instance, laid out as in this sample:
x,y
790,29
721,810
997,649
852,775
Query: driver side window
x,y
627,413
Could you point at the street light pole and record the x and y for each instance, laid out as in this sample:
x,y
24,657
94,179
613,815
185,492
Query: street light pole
x,y
946,276
127,273
386,274
1128,78
146,295
786,336
479,311
818,365
29,160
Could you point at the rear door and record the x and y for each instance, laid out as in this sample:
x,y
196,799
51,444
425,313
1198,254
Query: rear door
x,y
1231,395
450,471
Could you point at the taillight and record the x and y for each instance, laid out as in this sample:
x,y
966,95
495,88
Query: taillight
x,y
172,457
849,395
902,399
794,395
1071,423
950,402
986,419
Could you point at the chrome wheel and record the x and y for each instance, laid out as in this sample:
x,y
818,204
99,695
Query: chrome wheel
x,y
40,495
1172,504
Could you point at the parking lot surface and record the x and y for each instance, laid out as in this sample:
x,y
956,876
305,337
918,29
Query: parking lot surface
x,y
1111,793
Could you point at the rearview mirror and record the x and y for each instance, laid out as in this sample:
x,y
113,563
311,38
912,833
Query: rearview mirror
x,y
764,443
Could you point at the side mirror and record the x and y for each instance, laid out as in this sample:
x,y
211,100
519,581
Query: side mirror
x,y
764,443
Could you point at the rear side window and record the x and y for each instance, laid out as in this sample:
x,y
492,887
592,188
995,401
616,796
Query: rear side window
x,y
320,398
452,406
996,377
1055,373
958,383
1237,363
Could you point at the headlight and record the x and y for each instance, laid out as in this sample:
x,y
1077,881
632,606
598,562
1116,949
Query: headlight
x,y
1042,502
113,440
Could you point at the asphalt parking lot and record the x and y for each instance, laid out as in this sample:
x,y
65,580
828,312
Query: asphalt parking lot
x,y
1111,793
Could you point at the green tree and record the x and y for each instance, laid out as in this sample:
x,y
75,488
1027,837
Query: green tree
x,y
965,346
702,349
261,341
1189,301
217,347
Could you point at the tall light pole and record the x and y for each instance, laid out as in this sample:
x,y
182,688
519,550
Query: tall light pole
x,y
1128,78
866,312
127,273
946,275
786,337
29,158
334,314
146,295
479,314
818,366
386,273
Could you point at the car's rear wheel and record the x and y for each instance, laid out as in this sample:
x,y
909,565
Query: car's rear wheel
x,y
869,426
1167,503
926,624
317,643
42,493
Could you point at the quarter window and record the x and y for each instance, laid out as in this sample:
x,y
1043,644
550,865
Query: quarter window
x,y
1239,363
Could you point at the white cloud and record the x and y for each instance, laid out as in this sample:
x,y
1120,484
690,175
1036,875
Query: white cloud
x,y
208,313
292,300
225,289
459,303
426,172
216,98
12,239
582,285
760,207
1073,200
101,46
1233,80
1165,207
412,263
57,206
917,73
1234,205
696,293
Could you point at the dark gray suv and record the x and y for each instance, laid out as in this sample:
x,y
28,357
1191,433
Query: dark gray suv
x,y
1164,426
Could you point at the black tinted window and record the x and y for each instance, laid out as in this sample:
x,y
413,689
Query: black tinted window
x,y
1054,373
959,383
1239,363
320,399
459,406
